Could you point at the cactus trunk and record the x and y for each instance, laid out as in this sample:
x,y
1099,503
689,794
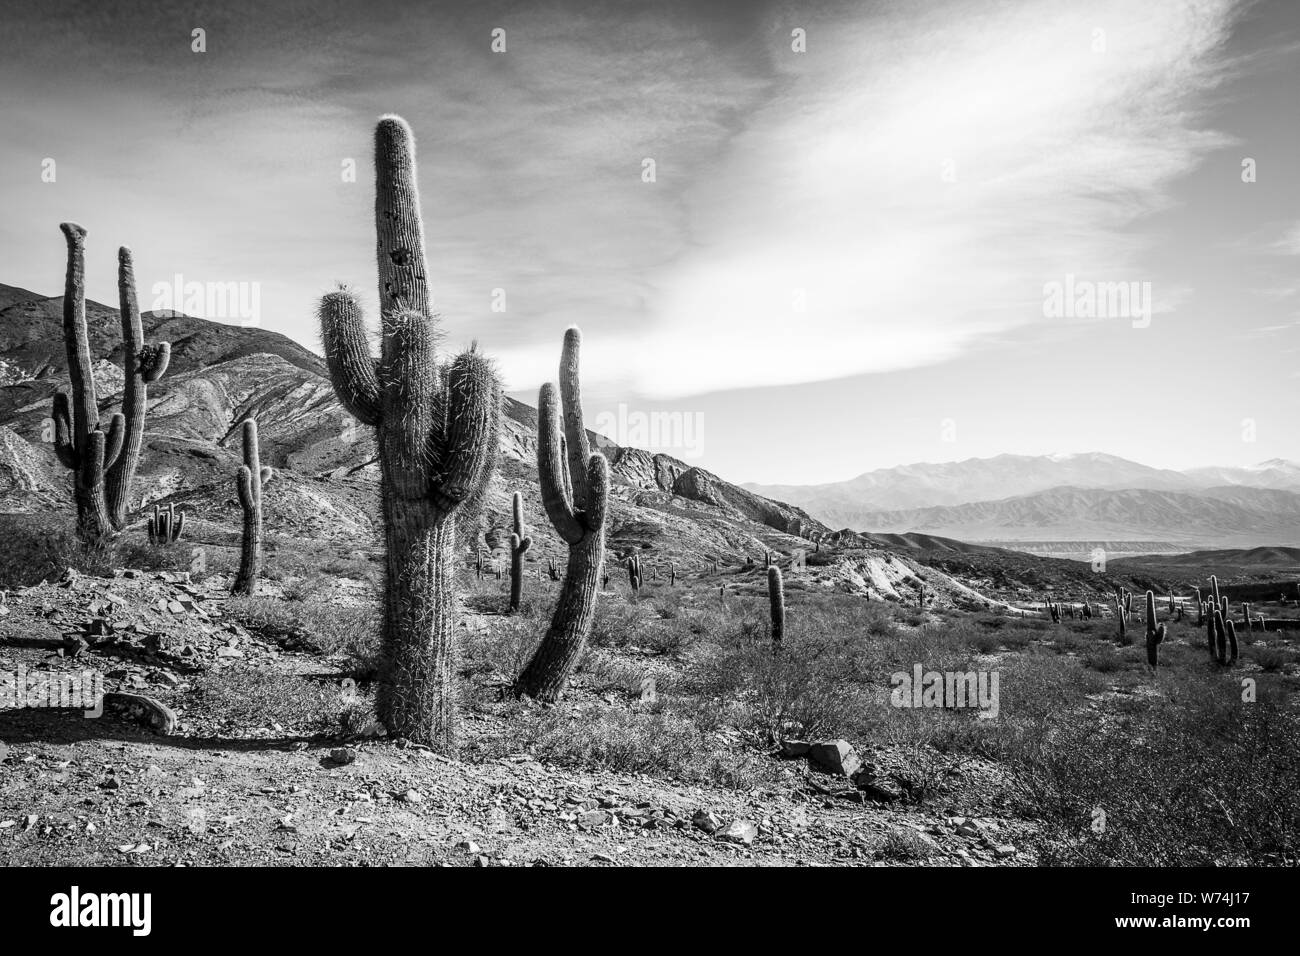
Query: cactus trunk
x,y
249,480
776,603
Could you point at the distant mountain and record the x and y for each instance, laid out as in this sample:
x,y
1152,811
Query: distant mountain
x,y
924,485
1196,518
1274,473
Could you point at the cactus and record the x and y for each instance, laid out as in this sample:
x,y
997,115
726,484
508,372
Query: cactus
x,y
166,527
776,603
575,491
1232,642
552,571
634,574
80,443
1155,634
1171,602
920,595
519,545
142,364
250,478
478,565
1220,648
436,425
1214,588
1245,615
1054,610
672,574
1121,617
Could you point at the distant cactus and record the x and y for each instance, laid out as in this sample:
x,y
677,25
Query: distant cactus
x,y
552,571
1232,642
519,545
1155,634
142,364
575,491
437,424
634,574
672,574
166,527
1220,638
1245,615
250,478
1121,617
1054,610
79,442
920,595
1200,608
776,603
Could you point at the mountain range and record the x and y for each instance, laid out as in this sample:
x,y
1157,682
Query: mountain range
x,y
1063,498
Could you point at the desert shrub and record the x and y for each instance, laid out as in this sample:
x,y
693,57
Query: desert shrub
x,y
326,628
1271,659
255,699
904,845
504,649
616,624
1200,779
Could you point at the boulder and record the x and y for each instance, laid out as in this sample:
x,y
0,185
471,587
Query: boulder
x,y
834,756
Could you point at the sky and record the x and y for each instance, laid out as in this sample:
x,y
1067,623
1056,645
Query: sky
x,y
803,240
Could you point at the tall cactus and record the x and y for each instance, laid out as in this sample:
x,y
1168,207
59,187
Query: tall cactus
x,y
79,442
776,603
1232,641
250,478
1155,634
575,491
519,545
1220,649
142,364
437,425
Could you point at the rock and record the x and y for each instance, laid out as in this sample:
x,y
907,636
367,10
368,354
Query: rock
x,y
342,755
469,846
1004,850
792,749
139,707
835,756
968,828
706,820
229,652
602,858
737,831
593,818
413,796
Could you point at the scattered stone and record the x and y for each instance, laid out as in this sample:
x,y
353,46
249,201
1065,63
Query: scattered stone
x,y
594,818
737,831
413,796
706,820
835,756
793,749
342,755
469,846
603,858
1004,850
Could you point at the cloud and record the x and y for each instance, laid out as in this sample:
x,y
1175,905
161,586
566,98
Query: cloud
x,y
833,194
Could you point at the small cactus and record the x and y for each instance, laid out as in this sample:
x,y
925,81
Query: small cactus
x,y
776,603
519,545
250,478
166,527
672,574
634,574
1245,615
1155,634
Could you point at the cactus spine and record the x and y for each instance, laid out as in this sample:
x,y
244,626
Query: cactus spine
x,y
166,527
1155,634
79,441
436,427
776,603
142,364
519,545
250,478
576,502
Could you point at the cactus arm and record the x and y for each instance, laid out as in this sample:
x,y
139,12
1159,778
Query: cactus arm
x,y
244,484
353,370
403,282
551,466
179,529
154,361
575,433
473,404
85,405
597,473
63,444
114,439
